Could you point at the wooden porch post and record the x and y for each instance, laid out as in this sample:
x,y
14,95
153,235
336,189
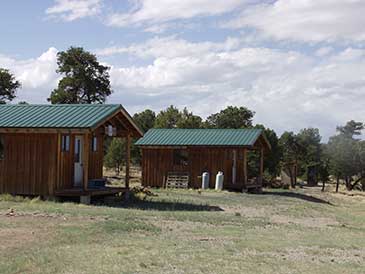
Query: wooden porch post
x,y
85,160
245,175
59,160
128,159
261,166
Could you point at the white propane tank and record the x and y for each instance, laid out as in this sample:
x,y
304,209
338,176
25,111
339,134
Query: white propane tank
x,y
219,181
205,180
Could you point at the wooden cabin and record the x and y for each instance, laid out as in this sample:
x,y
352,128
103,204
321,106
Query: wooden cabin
x,y
57,150
194,151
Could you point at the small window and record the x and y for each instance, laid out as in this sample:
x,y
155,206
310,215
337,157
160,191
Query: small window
x,y
2,148
65,143
78,151
181,157
94,144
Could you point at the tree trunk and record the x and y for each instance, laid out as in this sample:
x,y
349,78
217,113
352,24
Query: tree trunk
x,y
292,183
348,183
323,185
295,173
337,183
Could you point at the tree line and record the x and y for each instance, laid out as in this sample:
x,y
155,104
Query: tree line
x,y
86,81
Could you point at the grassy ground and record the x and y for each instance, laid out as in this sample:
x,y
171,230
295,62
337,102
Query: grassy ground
x,y
280,231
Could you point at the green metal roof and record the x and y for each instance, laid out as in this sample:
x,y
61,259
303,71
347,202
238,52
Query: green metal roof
x,y
54,116
200,137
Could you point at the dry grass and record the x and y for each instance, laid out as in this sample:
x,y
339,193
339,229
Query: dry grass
x,y
186,231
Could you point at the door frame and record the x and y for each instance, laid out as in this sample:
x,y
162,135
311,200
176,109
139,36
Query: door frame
x,y
78,160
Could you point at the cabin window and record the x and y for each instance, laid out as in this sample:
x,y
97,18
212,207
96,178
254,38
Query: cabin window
x,y
94,144
65,144
181,157
2,148
78,151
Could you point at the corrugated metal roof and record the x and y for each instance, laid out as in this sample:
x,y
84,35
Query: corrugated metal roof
x,y
200,137
54,116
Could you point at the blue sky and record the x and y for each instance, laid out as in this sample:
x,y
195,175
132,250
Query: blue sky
x,y
297,63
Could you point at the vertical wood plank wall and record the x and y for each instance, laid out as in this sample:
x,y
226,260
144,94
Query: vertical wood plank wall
x,y
67,166
157,162
96,159
29,166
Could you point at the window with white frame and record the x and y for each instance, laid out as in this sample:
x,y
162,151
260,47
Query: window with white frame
x,y
65,144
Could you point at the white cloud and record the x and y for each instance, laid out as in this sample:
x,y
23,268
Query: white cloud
x,y
159,11
288,90
37,75
323,51
170,47
70,10
306,20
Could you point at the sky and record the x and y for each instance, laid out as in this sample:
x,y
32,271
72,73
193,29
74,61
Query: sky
x,y
296,63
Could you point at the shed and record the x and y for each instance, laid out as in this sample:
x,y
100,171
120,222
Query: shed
x,y
57,150
194,151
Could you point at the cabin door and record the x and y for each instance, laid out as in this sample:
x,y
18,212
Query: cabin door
x,y
78,167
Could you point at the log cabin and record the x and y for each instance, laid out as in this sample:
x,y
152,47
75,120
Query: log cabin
x,y
190,152
58,150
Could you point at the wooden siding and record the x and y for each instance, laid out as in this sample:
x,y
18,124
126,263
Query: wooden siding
x,y
67,165
29,166
33,164
96,159
156,162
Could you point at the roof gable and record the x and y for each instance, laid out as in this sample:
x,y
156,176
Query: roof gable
x,y
200,137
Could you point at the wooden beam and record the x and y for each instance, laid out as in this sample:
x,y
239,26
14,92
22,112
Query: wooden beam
x,y
118,124
59,159
128,159
261,175
85,161
245,174
106,119
143,168
121,122
130,120
122,133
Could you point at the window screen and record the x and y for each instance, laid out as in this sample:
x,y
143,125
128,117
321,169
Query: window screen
x,y
181,157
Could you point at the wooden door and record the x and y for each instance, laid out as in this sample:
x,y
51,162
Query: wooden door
x,y
78,166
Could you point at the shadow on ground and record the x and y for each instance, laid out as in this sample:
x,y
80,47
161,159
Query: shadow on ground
x,y
296,195
170,206
161,205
